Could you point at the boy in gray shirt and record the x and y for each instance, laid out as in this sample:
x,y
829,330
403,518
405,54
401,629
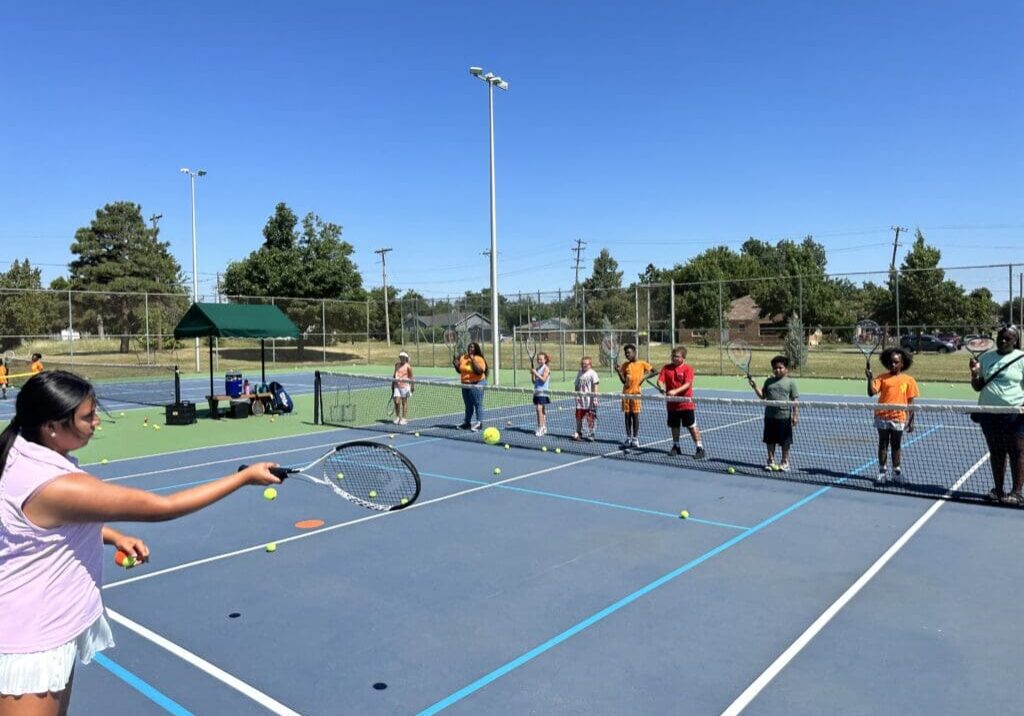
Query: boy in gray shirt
x,y
778,419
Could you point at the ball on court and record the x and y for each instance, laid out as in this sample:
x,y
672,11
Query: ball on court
x,y
270,493
120,415
508,423
99,427
104,461
373,493
156,427
731,471
271,547
497,471
416,435
544,448
492,436
340,476
271,420
775,468
558,450
507,446
684,514
391,436
404,501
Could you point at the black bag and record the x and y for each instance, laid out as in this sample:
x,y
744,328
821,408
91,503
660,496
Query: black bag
x,y
282,401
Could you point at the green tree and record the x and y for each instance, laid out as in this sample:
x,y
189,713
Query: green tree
x,y
26,310
926,298
119,256
795,344
604,294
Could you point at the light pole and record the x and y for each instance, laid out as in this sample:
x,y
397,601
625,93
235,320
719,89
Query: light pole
x,y
195,262
492,82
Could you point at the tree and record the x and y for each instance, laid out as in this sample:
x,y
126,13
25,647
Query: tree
x,y
927,298
795,344
118,255
604,295
26,310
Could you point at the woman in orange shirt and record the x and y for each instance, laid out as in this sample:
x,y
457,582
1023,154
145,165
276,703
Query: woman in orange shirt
x,y
472,369
893,388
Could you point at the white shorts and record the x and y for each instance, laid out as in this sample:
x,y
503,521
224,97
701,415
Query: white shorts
x,y
894,425
402,392
40,672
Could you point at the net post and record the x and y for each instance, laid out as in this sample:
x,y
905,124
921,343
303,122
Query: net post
x,y
317,410
177,385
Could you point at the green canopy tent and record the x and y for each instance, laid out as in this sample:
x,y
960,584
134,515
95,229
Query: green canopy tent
x,y
236,320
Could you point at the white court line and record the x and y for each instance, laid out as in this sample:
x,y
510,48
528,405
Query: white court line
x,y
203,665
752,691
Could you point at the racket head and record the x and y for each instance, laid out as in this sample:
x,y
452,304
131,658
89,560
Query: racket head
x,y
610,346
451,341
979,344
258,407
391,403
462,341
867,335
739,353
372,475
9,356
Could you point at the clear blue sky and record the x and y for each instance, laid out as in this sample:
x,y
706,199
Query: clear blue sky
x,y
652,129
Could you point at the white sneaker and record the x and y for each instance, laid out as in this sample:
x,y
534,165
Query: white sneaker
x,y
541,431
475,427
397,421
882,477
403,421
635,442
784,467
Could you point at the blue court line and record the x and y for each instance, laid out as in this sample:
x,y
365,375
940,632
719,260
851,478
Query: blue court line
x,y
629,599
573,498
160,699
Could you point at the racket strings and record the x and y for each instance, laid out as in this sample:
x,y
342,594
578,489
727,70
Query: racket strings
x,y
867,336
377,476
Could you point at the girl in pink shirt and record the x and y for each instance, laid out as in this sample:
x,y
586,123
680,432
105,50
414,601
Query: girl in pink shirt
x,y
52,536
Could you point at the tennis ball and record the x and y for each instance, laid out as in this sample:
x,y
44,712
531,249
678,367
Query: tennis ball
x,y
507,446
775,468
104,461
123,560
271,547
491,436
271,420
558,450
497,471
340,476
99,427
404,501
156,427
731,471
373,493
391,436
544,448
416,434
120,415
684,514
270,494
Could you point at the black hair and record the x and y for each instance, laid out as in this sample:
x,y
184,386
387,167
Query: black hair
x,y
53,395
780,359
628,346
1006,328
887,354
479,353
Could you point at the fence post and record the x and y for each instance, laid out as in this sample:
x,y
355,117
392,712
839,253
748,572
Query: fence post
x,y
561,333
583,304
71,328
515,363
149,359
897,287
367,331
672,312
721,329
323,326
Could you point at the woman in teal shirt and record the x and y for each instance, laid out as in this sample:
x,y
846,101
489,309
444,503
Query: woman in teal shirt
x,y
998,376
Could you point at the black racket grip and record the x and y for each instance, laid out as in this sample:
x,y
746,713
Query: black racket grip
x,y
279,472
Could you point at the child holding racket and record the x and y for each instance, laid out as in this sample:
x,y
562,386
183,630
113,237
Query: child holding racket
x,y
402,388
541,375
632,373
779,421
3,378
893,388
51,544
676,380
587,381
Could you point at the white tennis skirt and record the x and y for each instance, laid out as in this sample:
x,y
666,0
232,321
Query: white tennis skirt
x,y
40,672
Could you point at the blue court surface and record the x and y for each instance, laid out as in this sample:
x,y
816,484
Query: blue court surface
x,y
568,584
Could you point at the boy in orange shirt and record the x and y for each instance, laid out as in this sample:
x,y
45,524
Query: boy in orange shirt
x,y
893,388
632,373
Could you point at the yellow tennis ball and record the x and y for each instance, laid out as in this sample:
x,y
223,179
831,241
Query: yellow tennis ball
x,y
340,476
271,547
373,493
404,501
544,448
684,514
104,461
507,446
99,427
558,450
491,436
156,427
416,434
775,468
270,493
497,471
731,471
120,415
271,420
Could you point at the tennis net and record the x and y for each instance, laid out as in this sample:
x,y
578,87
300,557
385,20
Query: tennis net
x,y
114,382
834,443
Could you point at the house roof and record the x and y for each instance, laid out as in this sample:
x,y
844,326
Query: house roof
x,y
447,319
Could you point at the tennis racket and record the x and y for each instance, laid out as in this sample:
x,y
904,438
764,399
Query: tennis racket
x,y
370,474
650,380
739,354
451,341
977,345
531,347
867,336
391,400
610,350
8,356
258,406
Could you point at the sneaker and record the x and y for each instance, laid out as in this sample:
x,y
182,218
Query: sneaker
x,y
403,421
475,427
591,438
397,421
675,450
464,426
626,444
541,431
635,442
897,474
784,467
577,437
882,477
699,454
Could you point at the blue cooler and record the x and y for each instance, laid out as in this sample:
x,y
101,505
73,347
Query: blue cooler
x,y
233,384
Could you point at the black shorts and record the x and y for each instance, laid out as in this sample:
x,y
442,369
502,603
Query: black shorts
x,y
686,418
778,431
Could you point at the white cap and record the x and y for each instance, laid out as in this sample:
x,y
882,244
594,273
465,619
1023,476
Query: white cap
x,y
403,354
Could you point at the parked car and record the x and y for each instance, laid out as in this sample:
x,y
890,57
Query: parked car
x,y
950,338
926,342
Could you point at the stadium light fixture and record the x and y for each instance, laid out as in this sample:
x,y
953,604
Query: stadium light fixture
x,y
492,82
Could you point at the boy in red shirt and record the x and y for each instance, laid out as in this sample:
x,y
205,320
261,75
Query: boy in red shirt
x,y
676,380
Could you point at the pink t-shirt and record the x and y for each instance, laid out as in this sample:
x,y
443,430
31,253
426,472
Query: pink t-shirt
x,y
49,579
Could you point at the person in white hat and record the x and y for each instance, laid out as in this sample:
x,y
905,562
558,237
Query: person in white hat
x,y
402,387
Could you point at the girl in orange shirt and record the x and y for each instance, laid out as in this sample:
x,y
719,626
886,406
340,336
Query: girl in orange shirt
x,y
893,388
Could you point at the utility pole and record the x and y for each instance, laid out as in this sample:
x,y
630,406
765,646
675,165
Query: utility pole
x,y
896,276
578,250
155,218
384,275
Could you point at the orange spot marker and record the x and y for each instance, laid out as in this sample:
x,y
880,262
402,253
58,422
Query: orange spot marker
x,y
309,524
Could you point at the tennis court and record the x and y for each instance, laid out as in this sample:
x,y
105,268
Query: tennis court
x,y
568,583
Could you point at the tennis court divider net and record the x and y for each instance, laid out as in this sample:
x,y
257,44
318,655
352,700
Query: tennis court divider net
x,y
139,384
834,443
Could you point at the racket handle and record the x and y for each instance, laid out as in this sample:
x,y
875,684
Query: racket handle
x,y
279,472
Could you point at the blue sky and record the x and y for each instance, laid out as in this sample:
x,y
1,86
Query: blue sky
x,y
654,130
